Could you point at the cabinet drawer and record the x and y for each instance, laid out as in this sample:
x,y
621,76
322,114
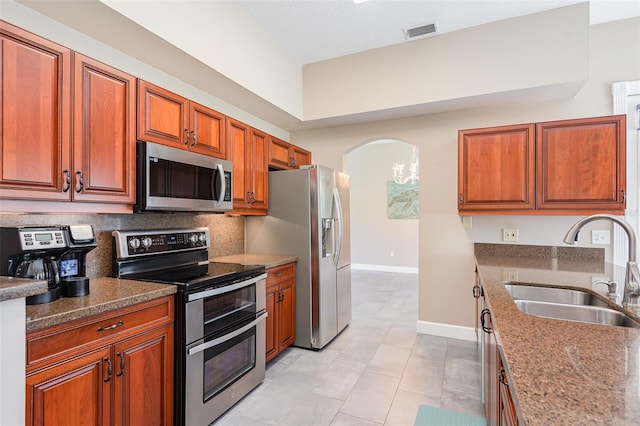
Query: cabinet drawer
x,y
280,273
76,336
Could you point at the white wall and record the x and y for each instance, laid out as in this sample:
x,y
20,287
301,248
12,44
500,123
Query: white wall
x,y
373,235
480,63
446,247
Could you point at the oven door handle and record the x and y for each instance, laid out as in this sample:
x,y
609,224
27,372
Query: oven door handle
x,y
229,336
225,289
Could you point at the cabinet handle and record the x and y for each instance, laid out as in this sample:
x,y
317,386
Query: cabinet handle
x,y
280,295
112,326
186,132
121,356
109,369
80,184
251,196
476,291
460,198
278,274
484,326
194,142
623,196
67,180
502,377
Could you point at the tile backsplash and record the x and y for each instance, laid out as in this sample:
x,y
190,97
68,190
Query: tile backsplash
x,y
227,232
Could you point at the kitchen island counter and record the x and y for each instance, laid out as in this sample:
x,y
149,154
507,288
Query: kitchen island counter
x,y
561,372
268,260
105,294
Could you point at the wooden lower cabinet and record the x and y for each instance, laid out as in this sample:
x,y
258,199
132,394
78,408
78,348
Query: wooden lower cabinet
x,y
281,309
499,405
124,377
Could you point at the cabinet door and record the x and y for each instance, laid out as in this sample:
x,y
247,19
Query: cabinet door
x,y
104,137
496,169
301,157
287,313
271,346
162,116
35,98
491,354
143,379
207,131
75,392
582,164
260,175
508,416
238,143
279,154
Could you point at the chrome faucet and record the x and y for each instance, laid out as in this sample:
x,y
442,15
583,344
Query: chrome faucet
x,y
632,274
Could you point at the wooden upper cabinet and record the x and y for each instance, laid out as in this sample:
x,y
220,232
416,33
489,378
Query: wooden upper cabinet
x,y
301,157
283,155
104,141
162,115
36,116
248,149
207,134
496,168
169,119
582,164
574,167
260,175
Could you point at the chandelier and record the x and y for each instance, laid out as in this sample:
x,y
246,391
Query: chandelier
x,y
399,170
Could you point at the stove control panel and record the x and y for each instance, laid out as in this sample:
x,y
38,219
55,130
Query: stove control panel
x,y
140,243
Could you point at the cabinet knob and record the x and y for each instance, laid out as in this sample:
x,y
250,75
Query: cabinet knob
x,y
67,180
80,182
109,369
121,356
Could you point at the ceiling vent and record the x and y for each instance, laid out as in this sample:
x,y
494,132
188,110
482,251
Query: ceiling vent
x,y
420,31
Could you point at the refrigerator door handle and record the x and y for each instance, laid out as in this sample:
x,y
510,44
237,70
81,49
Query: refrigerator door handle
x,y
336,198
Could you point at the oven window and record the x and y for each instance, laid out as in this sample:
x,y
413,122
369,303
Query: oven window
x,y
228,309
227,362
171,179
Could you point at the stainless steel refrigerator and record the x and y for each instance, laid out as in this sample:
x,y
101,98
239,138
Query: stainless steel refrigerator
x,y
309,217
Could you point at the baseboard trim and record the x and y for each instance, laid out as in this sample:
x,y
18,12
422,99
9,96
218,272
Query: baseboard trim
x,y
447,330
384,268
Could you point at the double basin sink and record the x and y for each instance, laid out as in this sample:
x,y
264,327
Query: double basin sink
x,y
567,304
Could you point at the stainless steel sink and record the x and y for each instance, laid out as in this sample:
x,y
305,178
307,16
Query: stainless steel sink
x,y
553,295
567,304
581,313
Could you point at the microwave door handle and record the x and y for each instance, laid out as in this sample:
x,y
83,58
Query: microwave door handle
x,y
229,336
223,184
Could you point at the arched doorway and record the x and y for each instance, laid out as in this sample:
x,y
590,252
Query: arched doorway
x,y
384,210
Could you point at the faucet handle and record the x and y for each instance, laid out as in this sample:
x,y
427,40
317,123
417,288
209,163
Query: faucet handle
x,y
611,285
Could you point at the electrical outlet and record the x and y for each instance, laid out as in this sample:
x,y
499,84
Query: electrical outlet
x,y
600,237
509,275
510,235
393,253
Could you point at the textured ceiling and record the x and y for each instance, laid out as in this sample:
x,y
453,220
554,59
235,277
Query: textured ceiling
x,y
315,30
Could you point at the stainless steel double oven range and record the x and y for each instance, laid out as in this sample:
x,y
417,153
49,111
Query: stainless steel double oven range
x,y
220,317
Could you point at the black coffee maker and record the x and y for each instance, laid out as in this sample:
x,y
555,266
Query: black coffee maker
x,y
53,253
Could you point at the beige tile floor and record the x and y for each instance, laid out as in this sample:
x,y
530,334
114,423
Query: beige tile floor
x,y
376,372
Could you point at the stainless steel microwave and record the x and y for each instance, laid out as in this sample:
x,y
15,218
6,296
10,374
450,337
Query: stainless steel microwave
x,y
171,179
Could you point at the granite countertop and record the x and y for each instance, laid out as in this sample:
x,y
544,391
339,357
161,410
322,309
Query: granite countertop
x,y
105,294
562,372
14,288
268,260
